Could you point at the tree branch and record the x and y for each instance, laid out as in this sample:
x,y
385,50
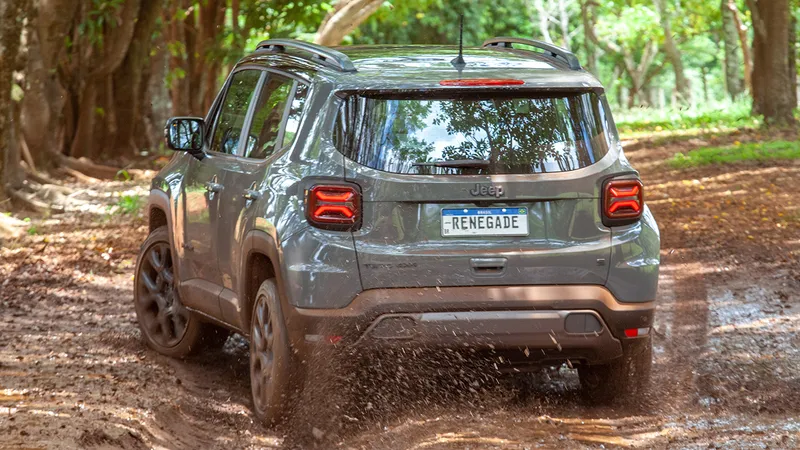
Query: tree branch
x,y
544,20
742,30
758,23
345,17
589,22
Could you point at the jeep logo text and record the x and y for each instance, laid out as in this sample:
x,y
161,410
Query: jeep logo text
x,y
482,190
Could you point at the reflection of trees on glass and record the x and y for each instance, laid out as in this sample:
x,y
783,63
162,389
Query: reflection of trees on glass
x,y
516,135
270,107
234,110
185,134
520,135
267,117
388,128
295,111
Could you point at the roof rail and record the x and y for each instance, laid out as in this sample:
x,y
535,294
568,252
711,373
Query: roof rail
x,y
325,55
553,50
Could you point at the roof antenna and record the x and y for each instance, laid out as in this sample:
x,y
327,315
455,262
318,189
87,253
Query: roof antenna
x,y
458,62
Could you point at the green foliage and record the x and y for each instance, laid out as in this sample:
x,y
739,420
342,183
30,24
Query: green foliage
x,y
100,15
630,26
128,205
627,24
123,175
754,151
726,115
177,73
437,22
259,20
255,21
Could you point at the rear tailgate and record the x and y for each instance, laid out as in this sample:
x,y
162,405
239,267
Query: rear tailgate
x,y
401,242
527,210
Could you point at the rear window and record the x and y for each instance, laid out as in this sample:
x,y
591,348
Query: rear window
x,y
495,134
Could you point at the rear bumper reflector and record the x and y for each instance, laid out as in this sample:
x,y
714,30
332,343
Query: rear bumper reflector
x,y
637,332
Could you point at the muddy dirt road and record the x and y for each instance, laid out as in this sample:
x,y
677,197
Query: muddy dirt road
x,y
74,373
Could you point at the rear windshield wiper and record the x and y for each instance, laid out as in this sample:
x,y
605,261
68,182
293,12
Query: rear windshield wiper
x,y
457,163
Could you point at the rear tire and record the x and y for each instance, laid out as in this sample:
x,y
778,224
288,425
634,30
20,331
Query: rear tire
x,y
272,367
167,326
625,378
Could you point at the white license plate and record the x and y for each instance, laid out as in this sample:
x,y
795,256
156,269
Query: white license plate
x,y
484,222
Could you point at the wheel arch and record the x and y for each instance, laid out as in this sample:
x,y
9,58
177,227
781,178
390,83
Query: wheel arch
x,y
156,218
158,210
261,262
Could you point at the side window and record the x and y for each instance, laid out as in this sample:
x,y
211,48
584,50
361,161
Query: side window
x,y
295,113
233,111
270,107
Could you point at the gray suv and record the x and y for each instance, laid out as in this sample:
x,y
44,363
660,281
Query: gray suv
x,y
394,196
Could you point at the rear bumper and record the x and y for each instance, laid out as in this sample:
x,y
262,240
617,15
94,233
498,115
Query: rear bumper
x,y
552,322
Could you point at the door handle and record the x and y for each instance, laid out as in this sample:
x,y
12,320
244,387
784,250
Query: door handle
x,y
251,195
488,266
212,186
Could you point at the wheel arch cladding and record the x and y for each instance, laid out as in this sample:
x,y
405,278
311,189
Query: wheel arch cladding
x,y
261,262
259,268
158,210
157,218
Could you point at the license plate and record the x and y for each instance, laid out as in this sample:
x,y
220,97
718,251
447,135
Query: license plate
x,y
484,222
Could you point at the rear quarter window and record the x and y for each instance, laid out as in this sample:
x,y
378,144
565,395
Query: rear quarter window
x,y
512,135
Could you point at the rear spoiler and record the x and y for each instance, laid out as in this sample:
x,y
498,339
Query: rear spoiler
x,y
450,92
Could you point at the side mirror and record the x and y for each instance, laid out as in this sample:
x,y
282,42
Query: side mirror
x,y
185,134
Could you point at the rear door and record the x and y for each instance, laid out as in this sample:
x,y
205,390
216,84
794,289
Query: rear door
x,y
477,189
204,188
271,129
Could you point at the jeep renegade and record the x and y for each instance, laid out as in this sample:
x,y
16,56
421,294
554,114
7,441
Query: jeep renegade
x,y
391,195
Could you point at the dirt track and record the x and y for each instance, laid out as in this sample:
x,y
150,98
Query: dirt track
x,y
74,373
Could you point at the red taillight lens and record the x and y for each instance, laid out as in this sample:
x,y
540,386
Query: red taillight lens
x,y
482,82
334,207
623,201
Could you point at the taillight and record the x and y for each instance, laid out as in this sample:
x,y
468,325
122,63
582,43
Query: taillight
x,y
623,202
334,207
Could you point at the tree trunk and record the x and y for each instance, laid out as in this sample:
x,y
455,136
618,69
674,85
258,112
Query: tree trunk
x,y
741,29
704,78
180,86
208,66
563,16
157,97
591,49
12,13
345,17
193,92
734,81
544,20
130,80
738,66
633,93
48,116
97,116
85,92
774,75
673,53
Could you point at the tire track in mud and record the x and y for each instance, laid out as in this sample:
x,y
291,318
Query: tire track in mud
x,y
552,414
681,330
212,405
